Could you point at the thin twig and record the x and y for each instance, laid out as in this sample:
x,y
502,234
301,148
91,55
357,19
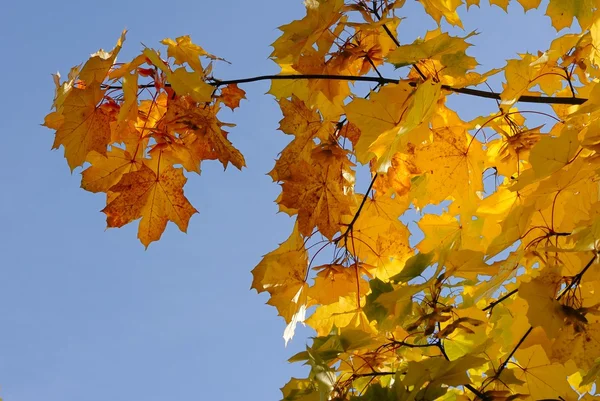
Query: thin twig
x,y
574,282
496,302
577,278
503,364
397,43
362,204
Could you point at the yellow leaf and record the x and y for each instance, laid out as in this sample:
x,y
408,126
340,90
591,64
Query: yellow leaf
x,y
522,74
543,379
86,126
126,68
377,236
335,91
378,115
98,66
514,226
422,104
155,196
579,343
200,135
320,191
529,4
182,81
334,281
553,153
503,4
443,8
399,175
312,30
344,313
540,293
129,108
184,51
441,232
439,45
284,266
452,164
562,12
464,342
63,89
105,172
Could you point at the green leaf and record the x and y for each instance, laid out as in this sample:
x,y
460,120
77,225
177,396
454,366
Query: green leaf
x,y
413,267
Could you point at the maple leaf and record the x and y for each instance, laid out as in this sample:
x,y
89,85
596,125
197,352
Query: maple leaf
x,y
306,125
378,237
343,314
85,126
542,378
183,82
282,273
303,34
562,12
551,154
155,196
105,172
422,105
443,8
184,51
452,164
522,74
385,130
128,110
335,281
540,293
435,46
100,63
320,192
231,96
577,343
200,135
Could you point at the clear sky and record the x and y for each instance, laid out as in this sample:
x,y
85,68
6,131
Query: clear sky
x,y
88,314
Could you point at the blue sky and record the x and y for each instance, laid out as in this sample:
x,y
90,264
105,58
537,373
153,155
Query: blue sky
x,y
88,314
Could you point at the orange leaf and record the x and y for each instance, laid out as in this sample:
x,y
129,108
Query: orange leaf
x,y
231,96
86,127
156,198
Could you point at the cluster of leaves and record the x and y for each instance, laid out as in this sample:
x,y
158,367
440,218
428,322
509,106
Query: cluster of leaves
x,y
132,134
500,300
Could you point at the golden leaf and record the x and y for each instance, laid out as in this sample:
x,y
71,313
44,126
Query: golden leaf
x,y
154,195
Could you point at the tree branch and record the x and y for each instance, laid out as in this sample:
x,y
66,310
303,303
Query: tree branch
x,y
577,278
381,81
496,302
362,204
575,281
503,364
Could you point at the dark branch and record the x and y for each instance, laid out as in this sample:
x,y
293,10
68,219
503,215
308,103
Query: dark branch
x,y
398,344
470,387
382,81
371,374
503,365
496,302
362,204
391,35
574,282
577,278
